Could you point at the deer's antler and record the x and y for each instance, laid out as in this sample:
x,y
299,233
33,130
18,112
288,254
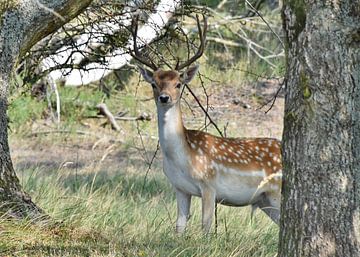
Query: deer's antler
x,y
200,51
136,53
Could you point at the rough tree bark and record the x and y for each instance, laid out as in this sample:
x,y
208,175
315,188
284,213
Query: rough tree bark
x,y
22,24
320,213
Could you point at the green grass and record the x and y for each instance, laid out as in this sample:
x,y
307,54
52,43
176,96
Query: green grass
x,y
112,214
23,110
77,102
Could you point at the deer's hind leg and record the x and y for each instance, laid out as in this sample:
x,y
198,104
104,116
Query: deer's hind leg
x,y
270,204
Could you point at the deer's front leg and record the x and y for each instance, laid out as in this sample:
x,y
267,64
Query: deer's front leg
x,y
208,196
183,212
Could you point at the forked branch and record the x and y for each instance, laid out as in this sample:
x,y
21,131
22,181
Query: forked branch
x,y
200,51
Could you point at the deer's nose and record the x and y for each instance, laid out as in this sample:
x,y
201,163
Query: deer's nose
x,y
164,98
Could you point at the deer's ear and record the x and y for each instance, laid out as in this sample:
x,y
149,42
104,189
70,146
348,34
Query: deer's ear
x,y
147,75
189,74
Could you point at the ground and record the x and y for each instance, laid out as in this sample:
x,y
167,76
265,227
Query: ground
x,y
240,111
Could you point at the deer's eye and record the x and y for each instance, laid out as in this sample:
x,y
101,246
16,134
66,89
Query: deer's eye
x,y
178,85
153,85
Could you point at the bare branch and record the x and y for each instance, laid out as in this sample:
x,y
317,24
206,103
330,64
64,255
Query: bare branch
x,y
202,36
204,110
257,12
273,99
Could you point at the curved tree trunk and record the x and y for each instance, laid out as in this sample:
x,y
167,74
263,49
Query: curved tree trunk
x,y
320,213
13,200
22,24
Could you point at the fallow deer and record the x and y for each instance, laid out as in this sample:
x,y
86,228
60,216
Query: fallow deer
x,y
229,171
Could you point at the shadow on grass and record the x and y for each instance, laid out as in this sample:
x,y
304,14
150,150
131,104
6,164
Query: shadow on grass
x,y
45,250
124,184
135,185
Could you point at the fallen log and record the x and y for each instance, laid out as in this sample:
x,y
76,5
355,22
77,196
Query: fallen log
x,y
143,117
103,109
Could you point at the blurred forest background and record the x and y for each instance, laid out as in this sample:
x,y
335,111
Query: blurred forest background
x,y
103,181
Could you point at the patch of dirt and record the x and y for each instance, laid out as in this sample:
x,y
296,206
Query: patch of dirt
x,y
255,110
76,153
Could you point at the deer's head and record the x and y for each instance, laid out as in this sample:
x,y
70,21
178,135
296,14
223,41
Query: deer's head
x,y
167,85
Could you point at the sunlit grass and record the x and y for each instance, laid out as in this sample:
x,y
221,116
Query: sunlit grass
x,y
117,214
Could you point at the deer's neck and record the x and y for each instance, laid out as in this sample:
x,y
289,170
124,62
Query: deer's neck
x,y
171,130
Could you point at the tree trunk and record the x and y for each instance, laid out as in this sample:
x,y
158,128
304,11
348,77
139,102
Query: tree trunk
x,y
320,212
13,200
22,24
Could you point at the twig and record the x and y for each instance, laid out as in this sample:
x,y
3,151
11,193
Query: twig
x,y
206,96
54,87
97,143
204,110
150,164
221,4
225,42
145,155
216,218
267,24
107,152
251,45
257,76
273,99
257,6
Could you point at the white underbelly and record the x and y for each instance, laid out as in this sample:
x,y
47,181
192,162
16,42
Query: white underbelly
x,y
232,187
237,190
